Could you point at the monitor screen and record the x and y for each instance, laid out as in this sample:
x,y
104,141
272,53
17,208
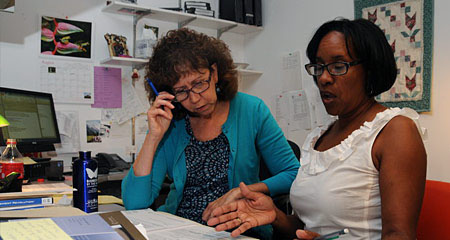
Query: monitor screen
x,y
32,120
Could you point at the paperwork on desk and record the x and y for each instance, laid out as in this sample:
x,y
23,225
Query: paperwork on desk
x,y
48,212
34,190
108,199
162,226
89,227
32,230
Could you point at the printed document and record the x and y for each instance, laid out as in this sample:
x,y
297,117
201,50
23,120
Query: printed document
x,y
162,226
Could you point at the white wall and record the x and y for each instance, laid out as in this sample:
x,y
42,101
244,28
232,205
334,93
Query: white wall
x,y
289,25
19,54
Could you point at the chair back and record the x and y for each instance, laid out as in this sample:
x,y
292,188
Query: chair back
x,y
434,220
264,172
282,200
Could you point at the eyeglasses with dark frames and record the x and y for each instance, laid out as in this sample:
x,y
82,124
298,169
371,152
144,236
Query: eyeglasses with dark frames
x,y
197,88
335,68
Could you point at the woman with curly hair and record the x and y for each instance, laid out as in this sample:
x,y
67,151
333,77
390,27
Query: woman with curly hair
x,y
203,134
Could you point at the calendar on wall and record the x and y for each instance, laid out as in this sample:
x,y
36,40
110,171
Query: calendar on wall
x,y
67,81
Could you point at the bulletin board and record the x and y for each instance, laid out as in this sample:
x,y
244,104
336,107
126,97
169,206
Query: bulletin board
x,y
408,26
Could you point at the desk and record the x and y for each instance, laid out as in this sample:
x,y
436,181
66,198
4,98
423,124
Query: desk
x,y
111,184
108,184
157,225
112,176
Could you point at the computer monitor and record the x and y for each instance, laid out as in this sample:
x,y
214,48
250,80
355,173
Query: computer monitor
x,y
32,120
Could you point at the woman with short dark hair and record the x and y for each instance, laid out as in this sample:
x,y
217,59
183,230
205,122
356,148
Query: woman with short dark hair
x,y
366,171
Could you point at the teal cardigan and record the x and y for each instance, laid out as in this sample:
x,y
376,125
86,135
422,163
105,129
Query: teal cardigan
x,y
252,133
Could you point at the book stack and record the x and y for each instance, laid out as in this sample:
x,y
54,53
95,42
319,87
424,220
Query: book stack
x,y
199,8
36,196
26,203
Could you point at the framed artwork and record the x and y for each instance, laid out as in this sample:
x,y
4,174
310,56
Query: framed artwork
x,y
408,26
63,37
117,45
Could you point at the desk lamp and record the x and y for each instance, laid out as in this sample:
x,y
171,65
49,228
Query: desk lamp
x,y
3,122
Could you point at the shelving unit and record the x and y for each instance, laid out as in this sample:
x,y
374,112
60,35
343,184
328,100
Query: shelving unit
x,y
124,61
181,19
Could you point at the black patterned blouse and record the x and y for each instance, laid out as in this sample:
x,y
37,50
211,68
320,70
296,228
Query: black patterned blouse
x,y
207,174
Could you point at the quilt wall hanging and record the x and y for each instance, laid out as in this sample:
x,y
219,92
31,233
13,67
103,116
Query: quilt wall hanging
x,y
408,26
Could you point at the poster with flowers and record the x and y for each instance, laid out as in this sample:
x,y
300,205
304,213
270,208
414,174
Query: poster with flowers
x,y
63,37
408,27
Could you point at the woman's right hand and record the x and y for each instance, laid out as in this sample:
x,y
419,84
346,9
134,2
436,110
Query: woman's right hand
x,y
159,115
255,209
306,235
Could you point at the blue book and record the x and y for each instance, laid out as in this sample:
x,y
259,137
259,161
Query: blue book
x,y
25,207
26,201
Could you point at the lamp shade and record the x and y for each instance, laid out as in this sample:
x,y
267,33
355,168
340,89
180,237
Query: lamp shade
x,y
3,122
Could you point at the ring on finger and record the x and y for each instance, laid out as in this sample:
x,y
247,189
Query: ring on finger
x,y
238,219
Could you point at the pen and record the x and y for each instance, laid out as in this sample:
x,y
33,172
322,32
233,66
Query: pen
x,y
152,86
333,235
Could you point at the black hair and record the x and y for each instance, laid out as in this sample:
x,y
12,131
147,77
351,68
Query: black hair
x,y
369,44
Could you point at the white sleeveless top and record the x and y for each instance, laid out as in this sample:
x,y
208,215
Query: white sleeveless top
x,y
339,188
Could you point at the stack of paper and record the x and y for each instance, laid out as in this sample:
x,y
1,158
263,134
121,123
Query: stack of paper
x,y
36,195
161,225
61,228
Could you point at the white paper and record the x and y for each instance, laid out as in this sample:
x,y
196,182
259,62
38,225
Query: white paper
x,y
131,106
68,81
141,124
154,221
292,111
319,115
68,131
140,90
291,71
281,110
299,114
197,232
159,225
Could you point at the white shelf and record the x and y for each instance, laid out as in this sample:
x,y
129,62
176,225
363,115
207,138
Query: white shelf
x,y
124,61
125,9
247,72
245,28
180,18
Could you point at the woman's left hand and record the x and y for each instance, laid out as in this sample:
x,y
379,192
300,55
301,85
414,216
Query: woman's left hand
x,y
305,234
231,196
254,209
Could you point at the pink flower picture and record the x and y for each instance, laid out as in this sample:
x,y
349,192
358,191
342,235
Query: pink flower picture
x,y
65,37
